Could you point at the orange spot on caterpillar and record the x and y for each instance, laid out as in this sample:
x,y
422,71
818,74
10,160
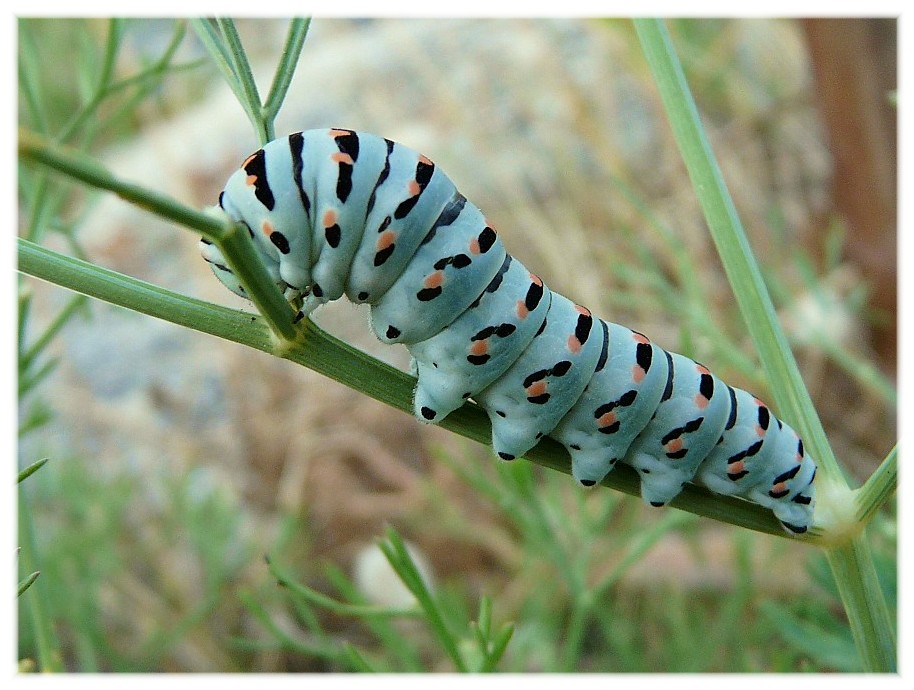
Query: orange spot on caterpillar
x,y
582,310
385,239
536,279
329,218
424,160
638,374
341,157
474,245
250,180
779,488
736,467
413,187
759,431
574,345
434,280
336,133
639,338
701,402
522,311
607,419
536,389
480,347
674,446
702,369
266,228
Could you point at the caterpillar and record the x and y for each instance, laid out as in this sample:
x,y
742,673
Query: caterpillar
x,y
337,212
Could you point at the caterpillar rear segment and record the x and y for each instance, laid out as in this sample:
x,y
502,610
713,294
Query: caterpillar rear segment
x,y
337,212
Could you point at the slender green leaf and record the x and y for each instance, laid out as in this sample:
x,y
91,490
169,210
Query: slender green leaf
x,y
27,582
31,469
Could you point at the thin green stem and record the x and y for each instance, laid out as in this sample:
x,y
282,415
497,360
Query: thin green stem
x,y
398,557
858,584
30,88
232,238
212,37
62,318
72,163
295,40
100,91
878,488
248,86
46,645
358,610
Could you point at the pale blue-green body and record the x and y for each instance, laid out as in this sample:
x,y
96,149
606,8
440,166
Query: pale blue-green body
x,y
517,423
593,453
337,212
442,362
662,478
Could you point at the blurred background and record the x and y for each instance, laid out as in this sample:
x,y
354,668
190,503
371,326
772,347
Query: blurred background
x,y
177,461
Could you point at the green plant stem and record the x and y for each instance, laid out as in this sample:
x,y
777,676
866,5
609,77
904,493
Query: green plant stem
x,y
46,644
400,560
295,40
242,72
335,359
62,319
870,622
358,610
878,488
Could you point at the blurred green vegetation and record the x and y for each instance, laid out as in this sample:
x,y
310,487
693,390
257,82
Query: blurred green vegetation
x,y
146,573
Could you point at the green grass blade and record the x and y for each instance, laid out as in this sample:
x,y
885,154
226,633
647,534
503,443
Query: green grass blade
x,y
402,563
